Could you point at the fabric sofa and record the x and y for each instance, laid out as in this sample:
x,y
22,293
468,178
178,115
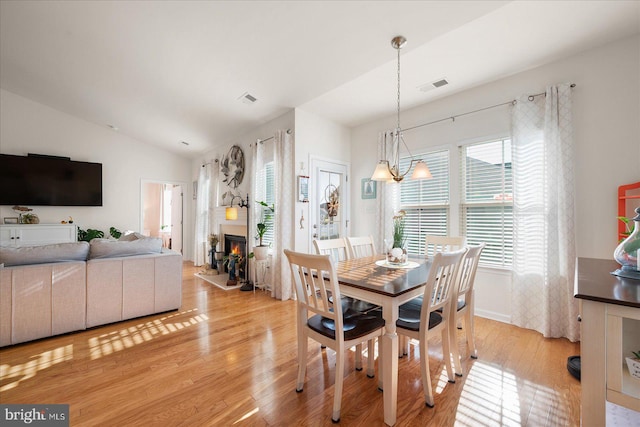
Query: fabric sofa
x,y
55,289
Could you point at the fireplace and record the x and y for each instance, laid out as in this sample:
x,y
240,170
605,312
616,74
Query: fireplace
x,y
234,244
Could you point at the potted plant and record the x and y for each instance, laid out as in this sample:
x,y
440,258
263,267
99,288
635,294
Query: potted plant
x,y
261,251
396,248
633,363
89,234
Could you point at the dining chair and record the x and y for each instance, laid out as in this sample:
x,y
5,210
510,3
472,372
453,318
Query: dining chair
x,y
435,244
463,304
315,279
361,246
338,250
420,321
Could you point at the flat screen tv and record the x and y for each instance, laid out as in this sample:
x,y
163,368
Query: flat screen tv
x,y
39,180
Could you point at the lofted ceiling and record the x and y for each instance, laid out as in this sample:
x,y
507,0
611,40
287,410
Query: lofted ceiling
x,y
164,72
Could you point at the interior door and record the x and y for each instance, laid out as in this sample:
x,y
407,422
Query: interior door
x,y
176,218
161,215
329,207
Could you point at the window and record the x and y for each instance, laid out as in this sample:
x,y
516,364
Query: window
x,y
426,202
266,193
487,200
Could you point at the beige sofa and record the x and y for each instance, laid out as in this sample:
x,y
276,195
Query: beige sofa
x,y
115,281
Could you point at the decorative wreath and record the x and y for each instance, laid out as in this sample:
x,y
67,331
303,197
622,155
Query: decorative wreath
x,y
332,196
232,167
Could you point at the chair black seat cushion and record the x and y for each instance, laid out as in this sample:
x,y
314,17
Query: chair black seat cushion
x,y
355,325
417,301
409,316
353,304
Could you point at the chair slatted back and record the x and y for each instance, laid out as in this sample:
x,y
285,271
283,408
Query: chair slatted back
x,y
443,278
315,279
361,247
337,249
468,270
435,244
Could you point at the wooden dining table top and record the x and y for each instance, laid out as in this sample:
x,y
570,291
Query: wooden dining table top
x,y
363,273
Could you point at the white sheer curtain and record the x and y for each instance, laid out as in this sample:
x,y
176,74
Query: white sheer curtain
x,y
388,202
543,205
201,234
284,205
257,164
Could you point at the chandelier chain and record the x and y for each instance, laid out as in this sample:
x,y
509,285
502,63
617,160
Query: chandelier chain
x,y
398,49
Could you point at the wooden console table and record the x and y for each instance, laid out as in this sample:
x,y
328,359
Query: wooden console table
x,y
610,330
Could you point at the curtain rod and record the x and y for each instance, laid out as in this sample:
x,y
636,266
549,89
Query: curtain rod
x,y
453,118
208,163
260,141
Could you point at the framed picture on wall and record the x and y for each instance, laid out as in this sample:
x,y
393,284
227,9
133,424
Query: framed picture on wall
x,y
368,189
303,188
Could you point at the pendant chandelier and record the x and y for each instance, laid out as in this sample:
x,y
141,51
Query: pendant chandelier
x,y
389,169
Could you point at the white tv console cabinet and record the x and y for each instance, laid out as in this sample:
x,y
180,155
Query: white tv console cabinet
x,y
37,234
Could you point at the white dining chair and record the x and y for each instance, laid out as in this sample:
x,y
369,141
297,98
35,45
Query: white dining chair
x,y
435,244
419,321
463,305
338,250
315,279
361,246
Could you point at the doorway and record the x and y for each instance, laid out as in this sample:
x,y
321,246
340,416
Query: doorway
x,y
162,213
329,204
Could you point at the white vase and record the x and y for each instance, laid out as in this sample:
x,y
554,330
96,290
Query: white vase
x,y
261,252
395,255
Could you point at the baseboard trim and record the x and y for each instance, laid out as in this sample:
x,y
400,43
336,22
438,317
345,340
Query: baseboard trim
x,y
493,315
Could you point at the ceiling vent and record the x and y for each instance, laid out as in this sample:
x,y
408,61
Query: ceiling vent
x,y
433,85
247,98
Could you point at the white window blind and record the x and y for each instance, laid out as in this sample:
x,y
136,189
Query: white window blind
x,y
266,194
487,200
426,201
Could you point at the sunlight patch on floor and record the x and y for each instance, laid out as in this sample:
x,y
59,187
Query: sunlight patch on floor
x,y
13,375
99,346
492,396
247,415
115,341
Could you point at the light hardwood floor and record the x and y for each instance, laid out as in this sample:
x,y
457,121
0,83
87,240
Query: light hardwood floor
x,y
228,358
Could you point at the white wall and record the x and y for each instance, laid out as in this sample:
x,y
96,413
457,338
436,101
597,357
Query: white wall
x,y
316,137
27,126
264,131
606,118
313,135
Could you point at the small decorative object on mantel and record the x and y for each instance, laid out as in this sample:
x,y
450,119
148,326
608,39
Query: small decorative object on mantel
x,y
627,254
633,363
396,248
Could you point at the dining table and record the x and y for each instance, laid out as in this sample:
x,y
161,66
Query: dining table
x,y
374,280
